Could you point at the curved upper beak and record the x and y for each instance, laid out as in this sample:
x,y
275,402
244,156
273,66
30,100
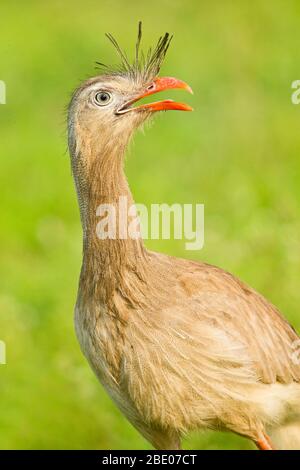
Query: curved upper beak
x,y
160,84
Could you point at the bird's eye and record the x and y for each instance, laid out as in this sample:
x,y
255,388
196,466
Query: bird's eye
x,y
102,98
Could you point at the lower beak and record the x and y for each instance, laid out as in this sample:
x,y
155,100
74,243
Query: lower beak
x,y
165,105
158,85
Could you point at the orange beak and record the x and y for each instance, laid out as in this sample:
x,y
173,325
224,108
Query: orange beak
x,y
160,84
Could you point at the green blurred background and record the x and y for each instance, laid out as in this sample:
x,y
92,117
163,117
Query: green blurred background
x,y
238,153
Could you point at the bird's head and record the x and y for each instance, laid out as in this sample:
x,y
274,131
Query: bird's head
x,y
106,108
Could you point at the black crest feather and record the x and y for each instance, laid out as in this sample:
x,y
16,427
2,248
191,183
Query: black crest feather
x,y
144,67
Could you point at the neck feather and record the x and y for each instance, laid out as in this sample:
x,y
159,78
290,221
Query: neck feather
x,y
100,179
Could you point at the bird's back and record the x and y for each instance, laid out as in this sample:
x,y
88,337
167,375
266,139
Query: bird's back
x,y
207,350
217,297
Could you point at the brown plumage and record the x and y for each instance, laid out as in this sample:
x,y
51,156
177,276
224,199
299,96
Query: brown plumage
x,y
178,345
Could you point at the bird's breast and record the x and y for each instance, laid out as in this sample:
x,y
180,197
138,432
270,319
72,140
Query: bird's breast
x,y
100,340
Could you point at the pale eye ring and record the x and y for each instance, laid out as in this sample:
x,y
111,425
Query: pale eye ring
x,y
102,98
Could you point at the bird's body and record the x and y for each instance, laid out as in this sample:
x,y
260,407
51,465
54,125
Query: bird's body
x,y
179,345
194,348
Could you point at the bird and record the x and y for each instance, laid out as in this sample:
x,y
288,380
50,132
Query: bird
x,y
179,345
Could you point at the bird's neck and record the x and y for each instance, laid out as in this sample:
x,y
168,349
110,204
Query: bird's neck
x,y
109,252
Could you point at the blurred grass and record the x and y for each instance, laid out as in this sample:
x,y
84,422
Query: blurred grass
x,y
238,153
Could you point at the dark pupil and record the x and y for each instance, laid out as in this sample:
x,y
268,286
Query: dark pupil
x,y
103,97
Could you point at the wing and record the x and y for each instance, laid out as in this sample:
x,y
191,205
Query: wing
x,y
247,317
203,342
